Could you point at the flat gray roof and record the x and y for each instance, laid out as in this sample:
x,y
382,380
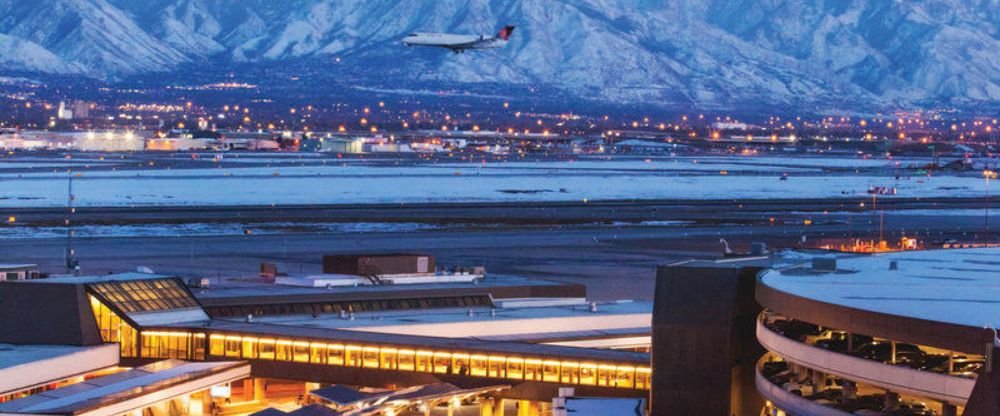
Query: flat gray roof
x,y
231,289
956,286
104,391
459,315
75,280
416,341
15,355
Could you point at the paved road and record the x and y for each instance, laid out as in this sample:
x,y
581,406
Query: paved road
x,y
614,261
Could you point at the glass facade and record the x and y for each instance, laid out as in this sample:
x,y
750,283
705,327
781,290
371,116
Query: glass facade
x,y
144,295
253,347
203,344
114,329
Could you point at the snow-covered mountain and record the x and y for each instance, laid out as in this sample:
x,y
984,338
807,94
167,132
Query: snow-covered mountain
x,y
834,54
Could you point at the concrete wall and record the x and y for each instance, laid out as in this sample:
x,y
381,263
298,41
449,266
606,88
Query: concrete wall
x,y
43,313
704,349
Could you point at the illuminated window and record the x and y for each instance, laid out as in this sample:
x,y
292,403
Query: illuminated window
x,y
335,355
233,347
114,329
588,374
642,378
497,367
369,357
478,365
267,348
550,371
300,352
318,353
405,360
353,356
424,361
249,347
605,375
186,345
387,358
460,364
515,368
283,350
570,373
144,295
442,362
625,377
533,370
217,345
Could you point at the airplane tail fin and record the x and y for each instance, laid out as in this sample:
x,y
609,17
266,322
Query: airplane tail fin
x,y
505,32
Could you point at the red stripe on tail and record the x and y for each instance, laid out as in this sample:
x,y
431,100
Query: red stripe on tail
x,y
505,32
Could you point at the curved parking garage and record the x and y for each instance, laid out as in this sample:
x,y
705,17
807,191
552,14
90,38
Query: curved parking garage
x,y
901,367
895,334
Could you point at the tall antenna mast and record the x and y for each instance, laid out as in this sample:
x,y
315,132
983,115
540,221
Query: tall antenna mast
x,y
71,262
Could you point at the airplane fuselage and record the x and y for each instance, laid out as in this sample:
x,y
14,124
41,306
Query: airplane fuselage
x,y
458,43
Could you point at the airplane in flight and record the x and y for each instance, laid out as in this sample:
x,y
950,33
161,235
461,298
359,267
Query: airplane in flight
x,y
460,43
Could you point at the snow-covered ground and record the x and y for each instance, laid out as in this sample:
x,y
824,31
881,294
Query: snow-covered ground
x,y
589,180
272,228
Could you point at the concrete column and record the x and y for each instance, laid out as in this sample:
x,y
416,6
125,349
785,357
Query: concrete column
x,y
498,406
181,406
486,406
248,389
850,391
206,402
523,408
534,408
891,400
427,409
893,344
451,408
259,389
817,379
949,410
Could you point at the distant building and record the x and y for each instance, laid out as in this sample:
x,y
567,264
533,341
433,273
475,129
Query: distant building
x,y
18,272
64,113
80,109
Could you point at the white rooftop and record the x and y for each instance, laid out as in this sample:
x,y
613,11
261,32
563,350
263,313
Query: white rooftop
x,y
130,390
960,287
17,266
26,366
533,322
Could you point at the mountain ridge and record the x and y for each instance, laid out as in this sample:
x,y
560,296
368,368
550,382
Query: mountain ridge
x,y
841,54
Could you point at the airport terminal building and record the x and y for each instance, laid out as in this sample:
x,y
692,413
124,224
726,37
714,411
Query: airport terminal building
x,y
789,333
502,344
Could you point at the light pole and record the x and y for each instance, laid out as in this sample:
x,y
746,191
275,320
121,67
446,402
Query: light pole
x,y
988,174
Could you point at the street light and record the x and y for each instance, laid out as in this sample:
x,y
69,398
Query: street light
x,y
988,174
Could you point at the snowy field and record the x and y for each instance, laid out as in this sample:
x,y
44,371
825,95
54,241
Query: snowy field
x,y
589,180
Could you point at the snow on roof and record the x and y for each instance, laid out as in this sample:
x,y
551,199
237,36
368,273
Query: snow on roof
x,y
103,391
8,266
101,278
15,355
960,287
610,316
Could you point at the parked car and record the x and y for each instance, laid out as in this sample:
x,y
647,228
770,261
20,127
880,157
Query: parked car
x,y
793,329
962,366
906,354
835,340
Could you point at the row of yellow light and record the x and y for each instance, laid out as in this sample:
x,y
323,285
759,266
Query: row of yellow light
x,y
555,371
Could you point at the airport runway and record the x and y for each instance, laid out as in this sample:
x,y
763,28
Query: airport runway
x,y
601,246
